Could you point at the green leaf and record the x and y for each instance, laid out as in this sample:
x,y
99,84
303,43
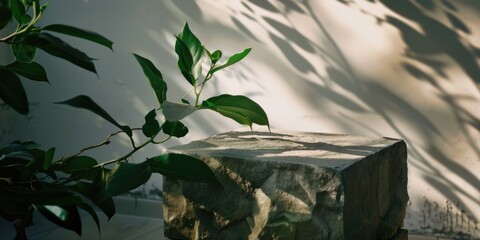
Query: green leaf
x,y
43,7
12,92
176,111
33,70
155,77
108,207
64,216
87,103
215,56
181,167
125,177
42,162
185,101
98,193
232,60
90,191
197,51
175,129
80,33
49,194
28,2
151,126
185,60
75,164
24,52
57,47
12,210
93,214
5,16
18,9
87,174
18,149
239,108
85,189
25,20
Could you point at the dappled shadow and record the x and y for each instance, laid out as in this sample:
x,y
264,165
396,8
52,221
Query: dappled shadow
x,y
436,38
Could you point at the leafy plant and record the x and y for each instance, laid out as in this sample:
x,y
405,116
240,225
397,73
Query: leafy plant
x,y
32,178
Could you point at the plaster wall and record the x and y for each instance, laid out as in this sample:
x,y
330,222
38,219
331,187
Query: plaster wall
x,y
407,70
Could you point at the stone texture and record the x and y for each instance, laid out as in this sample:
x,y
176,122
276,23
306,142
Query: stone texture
x,y
290,185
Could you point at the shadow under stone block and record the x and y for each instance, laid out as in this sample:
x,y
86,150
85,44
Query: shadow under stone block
x,y
290,185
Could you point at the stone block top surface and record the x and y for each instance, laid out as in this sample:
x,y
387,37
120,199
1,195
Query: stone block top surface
x,y
336,151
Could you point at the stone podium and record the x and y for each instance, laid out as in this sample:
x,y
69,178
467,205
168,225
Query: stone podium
x,y
291,185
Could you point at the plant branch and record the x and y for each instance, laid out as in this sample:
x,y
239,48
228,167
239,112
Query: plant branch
x,y
7,180
164,140
202,85
36,17
104,142
134,150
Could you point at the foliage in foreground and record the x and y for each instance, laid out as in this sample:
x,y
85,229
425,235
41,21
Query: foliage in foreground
x,y
32,178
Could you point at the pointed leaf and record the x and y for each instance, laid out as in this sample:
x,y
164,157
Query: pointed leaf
x,y
75,164
108,207
125,177
86,102
98,193
24,52
42,162
26,19
93,214
197,51
185,101
80,33
18,149
12,92
176,111
182,167
175,129
90,190
49,194
156,80
57,47
215,56
185,60
5,16
43,7
151,126
33,70
239,108
64,216
232,60
86,174
18,9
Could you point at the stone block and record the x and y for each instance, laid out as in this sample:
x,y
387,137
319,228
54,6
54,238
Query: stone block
x,y
290,185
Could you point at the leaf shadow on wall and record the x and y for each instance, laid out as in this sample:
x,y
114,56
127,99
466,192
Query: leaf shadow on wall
x,y
360,95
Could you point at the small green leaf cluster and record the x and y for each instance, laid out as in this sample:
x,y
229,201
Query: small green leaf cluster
x,y
191,55
35,179
24,42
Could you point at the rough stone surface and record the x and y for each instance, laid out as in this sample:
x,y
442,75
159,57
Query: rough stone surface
x,y
290,185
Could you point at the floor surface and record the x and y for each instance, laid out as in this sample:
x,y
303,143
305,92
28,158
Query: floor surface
x,y
130,222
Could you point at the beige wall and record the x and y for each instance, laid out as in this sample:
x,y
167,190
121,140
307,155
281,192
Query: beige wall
x,y
405,70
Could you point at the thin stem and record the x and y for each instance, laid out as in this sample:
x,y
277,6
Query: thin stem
x,y
26,28
132,141
126,155
202,85
104,142
164,140
7,180
134,150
